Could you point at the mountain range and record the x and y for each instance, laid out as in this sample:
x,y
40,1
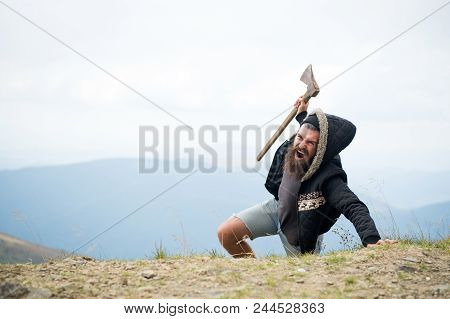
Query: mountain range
x,y
107,209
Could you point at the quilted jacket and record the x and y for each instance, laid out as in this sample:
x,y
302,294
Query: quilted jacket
x,y
323,195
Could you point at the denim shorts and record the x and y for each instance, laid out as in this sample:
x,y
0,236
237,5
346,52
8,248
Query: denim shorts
x,y
262,220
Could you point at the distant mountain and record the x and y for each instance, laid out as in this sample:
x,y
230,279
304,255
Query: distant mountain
x,y
14,250
402,189
427,222
67,206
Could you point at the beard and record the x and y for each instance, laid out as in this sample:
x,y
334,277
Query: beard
x,y
295,166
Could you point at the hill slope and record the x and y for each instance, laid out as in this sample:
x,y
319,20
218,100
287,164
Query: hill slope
x,y
14,250
400,271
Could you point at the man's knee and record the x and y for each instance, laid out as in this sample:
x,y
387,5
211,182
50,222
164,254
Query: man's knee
x,y
225,233
222,232
232,231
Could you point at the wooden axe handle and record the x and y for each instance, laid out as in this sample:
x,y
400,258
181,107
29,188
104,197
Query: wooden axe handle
x,y
280,130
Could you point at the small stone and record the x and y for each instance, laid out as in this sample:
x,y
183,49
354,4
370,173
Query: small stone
x,y
428,279
372,269
64,287
410,259
78,262
39,293
301,270
394,281
145,288
148,274
12,290
87,258
442,288
330,283
300,281
428,261
407,268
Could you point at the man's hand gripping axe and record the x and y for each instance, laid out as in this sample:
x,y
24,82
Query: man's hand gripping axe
x,y
312,90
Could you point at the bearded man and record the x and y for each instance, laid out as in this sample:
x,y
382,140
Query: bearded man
x,y
309,189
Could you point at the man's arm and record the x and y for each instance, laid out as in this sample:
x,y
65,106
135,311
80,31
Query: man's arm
x,y
302,108
339,195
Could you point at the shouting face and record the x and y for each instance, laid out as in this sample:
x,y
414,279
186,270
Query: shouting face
x,y
305,143
301,153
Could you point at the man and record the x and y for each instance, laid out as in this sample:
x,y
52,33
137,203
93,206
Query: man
x,y
310,192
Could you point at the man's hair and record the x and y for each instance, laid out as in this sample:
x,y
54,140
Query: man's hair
x,y
310,127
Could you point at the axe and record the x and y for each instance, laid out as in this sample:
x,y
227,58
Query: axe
x,y
312,89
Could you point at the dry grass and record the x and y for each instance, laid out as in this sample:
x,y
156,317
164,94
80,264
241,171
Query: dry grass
x,y
405,270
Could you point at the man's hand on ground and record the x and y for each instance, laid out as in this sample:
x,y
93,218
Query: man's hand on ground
x,y
301,105
383,242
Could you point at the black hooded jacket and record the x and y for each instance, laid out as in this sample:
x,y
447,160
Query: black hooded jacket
x,y
324,194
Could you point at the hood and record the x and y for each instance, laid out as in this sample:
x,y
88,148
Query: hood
x,y
336,134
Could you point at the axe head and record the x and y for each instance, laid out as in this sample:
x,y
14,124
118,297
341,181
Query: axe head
x,y
311,84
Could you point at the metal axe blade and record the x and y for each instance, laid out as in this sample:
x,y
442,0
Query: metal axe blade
x,y
312,89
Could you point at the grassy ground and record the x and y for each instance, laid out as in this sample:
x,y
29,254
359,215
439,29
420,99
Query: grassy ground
x,y
405,270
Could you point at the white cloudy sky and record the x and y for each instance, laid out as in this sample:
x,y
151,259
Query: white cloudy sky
x,y
221,63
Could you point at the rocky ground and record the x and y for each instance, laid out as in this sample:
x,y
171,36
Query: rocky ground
x,y
403,270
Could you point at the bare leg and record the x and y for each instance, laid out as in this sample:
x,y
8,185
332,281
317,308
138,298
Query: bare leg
x,y
232,234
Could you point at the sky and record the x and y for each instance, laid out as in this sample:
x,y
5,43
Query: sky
x,y
221,64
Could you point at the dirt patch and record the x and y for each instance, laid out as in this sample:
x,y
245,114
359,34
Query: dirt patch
x,y
398,271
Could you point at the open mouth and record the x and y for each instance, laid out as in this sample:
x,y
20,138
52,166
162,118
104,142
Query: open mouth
x,y
299,154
